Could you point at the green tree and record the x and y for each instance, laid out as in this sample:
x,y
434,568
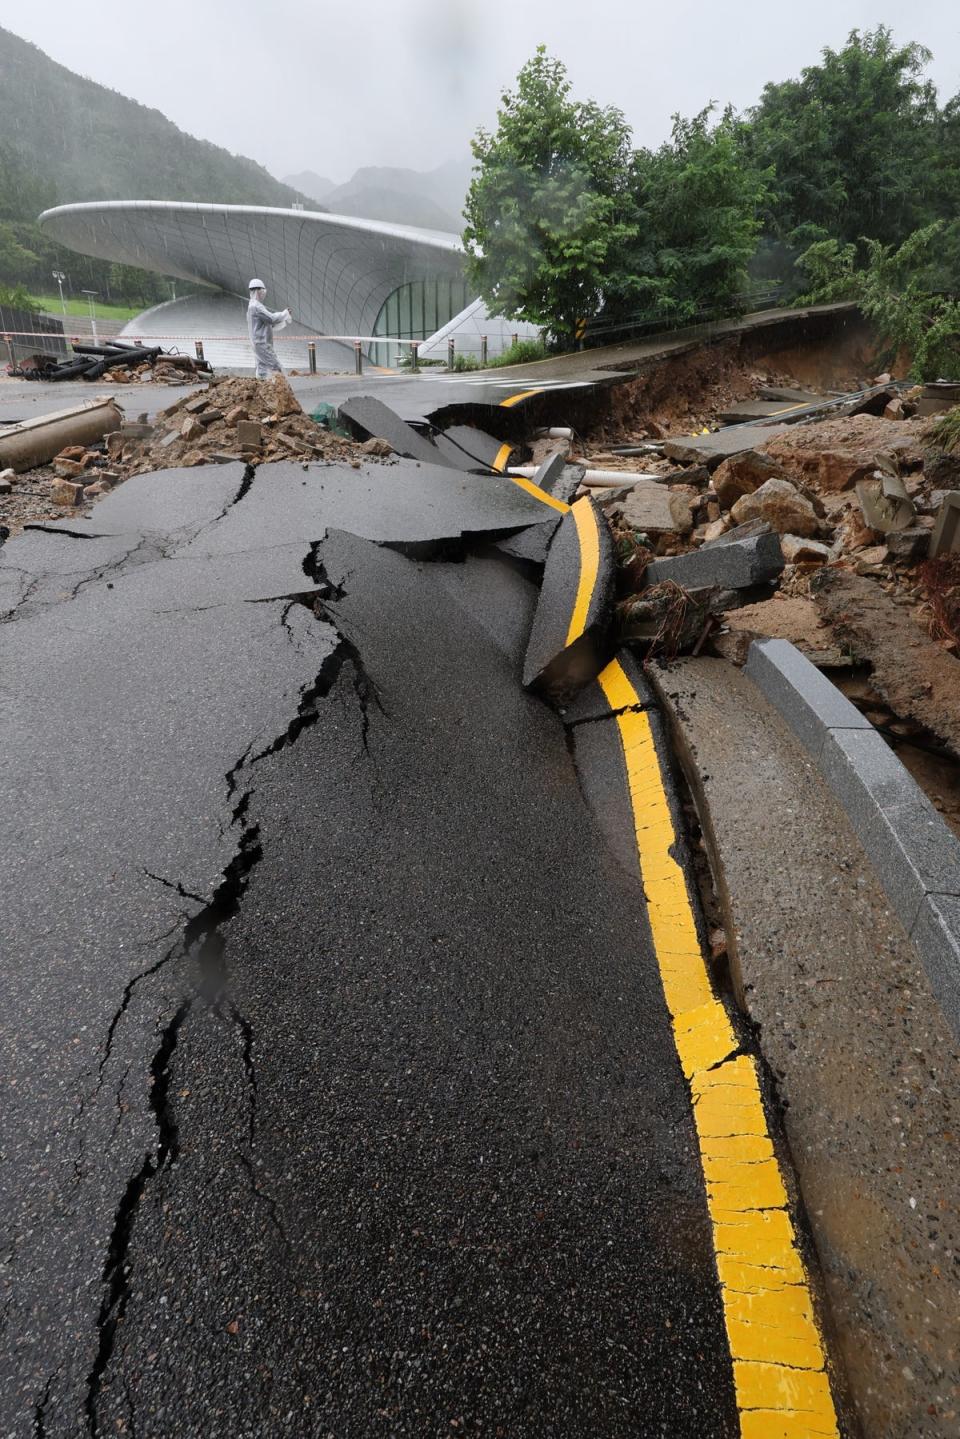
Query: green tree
x,y
894,289
698,199
856,144
550,209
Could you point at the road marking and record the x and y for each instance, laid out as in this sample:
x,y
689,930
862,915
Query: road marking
x,y
503,455
512,400
538,494
588,538
779,1369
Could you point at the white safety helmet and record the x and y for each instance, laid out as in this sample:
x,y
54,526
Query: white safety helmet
x,y
256,285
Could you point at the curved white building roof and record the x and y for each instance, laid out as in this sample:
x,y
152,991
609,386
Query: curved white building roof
x,y
333,271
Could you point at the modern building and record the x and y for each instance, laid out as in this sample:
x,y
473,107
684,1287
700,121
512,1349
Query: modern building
x,y
343,278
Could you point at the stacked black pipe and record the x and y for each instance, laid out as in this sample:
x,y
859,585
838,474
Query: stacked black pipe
x,y
89,362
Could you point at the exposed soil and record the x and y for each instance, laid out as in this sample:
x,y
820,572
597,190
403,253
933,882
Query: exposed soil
x,y
917,676
861,437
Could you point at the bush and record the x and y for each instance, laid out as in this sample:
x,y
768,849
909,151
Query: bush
x,y
521,352
19,299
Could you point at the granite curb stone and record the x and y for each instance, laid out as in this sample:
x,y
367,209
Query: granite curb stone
x,y
915,855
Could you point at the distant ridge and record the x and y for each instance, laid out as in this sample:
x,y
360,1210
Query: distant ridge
x,y
432,199
82,141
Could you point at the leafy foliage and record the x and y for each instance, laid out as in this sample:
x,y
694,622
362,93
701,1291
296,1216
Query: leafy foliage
x,y
18,298
564,219
893,289
944,434
698,200
550,208
857,144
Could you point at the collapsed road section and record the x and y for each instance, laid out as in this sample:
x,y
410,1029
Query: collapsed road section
x,y
343,1093
330,790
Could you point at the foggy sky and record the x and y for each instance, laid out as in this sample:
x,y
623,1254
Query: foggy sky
x,y
313,84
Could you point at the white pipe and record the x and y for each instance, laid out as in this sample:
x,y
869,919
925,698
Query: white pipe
x,y
600,479
557,433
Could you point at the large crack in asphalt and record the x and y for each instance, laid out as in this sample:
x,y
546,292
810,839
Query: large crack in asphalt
x,y
201,942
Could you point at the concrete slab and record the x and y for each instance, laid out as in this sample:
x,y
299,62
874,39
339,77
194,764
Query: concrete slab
x,y
653,509
709,450
736,566
566,647
936,936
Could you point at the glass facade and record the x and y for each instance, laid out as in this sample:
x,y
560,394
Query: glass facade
x,y
416,311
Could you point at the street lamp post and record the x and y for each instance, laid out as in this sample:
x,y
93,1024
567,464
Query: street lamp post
x,y
91,296
59,276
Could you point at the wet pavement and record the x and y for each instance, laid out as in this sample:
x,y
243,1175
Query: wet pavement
x,y
340,1093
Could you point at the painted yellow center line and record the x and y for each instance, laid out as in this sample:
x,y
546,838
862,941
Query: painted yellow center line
x,y
512,400
538,494
779,1368
503,455
589,541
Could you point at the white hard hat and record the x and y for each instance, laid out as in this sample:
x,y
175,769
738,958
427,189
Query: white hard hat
x,y
256,285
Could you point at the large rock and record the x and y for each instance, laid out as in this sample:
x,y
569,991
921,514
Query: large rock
x,y
734,565
782,506
742,474
65,492
652,509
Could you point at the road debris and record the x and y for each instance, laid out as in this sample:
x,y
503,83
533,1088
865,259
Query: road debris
x,y
118,362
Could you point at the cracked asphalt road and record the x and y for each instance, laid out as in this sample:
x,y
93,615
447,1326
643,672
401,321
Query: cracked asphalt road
x,y
339,1096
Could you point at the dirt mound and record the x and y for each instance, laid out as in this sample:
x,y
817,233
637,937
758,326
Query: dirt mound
x,y
855,439
206,426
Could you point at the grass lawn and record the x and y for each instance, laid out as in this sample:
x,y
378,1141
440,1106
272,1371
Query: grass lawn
x,y
51,303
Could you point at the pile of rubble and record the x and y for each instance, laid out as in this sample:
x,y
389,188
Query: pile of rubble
x,y
839,533
257,421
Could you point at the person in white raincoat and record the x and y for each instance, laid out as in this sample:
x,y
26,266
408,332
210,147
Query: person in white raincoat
x,y
260,323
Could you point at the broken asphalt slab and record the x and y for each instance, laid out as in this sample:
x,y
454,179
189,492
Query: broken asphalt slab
x,y
566,647
372,417
269,943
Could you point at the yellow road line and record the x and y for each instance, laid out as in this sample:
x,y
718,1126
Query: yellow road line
x,y
502,456
589,541
538,494
512,400
779,1369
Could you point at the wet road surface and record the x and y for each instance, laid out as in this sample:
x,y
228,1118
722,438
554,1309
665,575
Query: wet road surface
x,y
340,1095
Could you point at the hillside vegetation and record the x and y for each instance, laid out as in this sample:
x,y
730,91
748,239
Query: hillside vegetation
x,y
64,138
844,183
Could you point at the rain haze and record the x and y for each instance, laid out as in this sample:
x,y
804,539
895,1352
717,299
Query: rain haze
x,y
329,88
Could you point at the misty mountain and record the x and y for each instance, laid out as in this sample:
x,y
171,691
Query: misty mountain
x,y
82,141
309,183
432,199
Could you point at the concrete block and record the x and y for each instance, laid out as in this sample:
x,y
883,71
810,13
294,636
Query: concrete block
x,y
652,509
733,566
909,845
946,532
809,703
936,938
